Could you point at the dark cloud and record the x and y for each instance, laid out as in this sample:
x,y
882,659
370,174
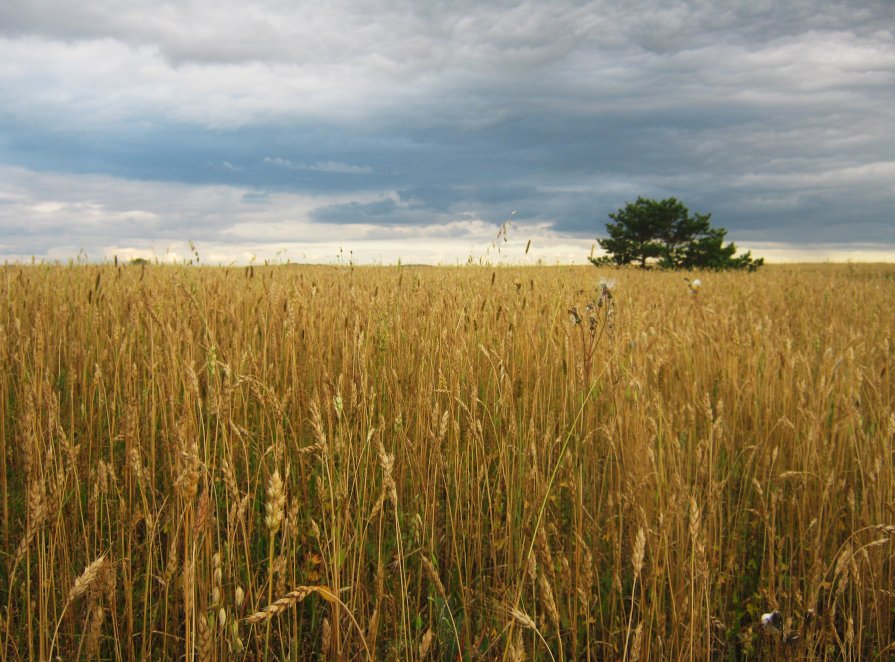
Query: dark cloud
x,y
775,117
357,212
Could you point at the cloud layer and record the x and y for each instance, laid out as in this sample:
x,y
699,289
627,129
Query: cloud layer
x,y
254,127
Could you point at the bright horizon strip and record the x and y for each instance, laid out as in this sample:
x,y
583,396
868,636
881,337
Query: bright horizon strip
x,y
441,252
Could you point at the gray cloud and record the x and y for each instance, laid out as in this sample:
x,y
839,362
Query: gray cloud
x,y
356,212
776,117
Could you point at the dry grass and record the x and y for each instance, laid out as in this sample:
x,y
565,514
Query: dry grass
x,y
407,463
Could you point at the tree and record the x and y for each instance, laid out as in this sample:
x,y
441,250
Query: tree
x,y
665,231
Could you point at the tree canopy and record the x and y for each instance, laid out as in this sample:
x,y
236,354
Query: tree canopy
x,y
664,231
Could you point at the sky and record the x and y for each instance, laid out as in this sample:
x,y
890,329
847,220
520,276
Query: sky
x,y
382,130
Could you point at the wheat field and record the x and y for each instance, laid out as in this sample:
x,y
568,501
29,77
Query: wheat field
x,y
406,463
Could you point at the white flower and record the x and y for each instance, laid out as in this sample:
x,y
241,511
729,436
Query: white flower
x,y
607,283
772,622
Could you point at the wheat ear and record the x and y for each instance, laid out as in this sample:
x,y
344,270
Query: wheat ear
x,y
82,583
294,597
86,579
290,599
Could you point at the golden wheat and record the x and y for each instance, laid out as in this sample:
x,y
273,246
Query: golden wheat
x,y
431,449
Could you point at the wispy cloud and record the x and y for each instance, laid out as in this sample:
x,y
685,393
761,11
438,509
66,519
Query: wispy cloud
x,y
335,167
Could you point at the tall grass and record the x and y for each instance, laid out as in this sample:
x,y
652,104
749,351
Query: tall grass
x,y
407,463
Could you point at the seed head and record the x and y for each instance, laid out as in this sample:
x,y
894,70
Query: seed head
x,y
276,502
87,578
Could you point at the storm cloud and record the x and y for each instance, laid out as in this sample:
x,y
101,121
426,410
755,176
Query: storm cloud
x,y
416,129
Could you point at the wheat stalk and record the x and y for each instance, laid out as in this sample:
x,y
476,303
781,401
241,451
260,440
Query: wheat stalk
x,y
289,600
297,595
527,622
433,575
87,578
206,638
426,644
276,502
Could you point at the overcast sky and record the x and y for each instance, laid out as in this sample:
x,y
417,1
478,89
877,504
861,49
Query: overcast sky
x,y
413,130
